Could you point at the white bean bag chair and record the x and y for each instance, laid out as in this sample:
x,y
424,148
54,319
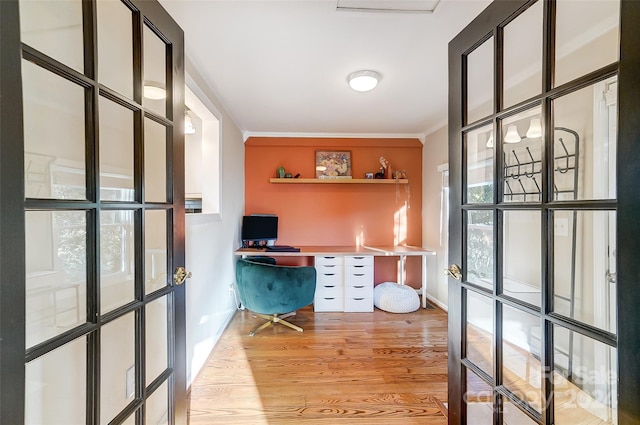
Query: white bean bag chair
x,y
395,298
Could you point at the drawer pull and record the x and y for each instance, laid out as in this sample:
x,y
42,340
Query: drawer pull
x,y
329,265
329,257
358,274
329,274
358,266
359,286
329,298
329,286
358,299
359,258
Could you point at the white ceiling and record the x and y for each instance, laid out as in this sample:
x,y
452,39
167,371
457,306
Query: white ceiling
x,y
280,67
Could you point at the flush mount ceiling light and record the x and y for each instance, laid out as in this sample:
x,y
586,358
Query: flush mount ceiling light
x,y
364,80
512,135
153,90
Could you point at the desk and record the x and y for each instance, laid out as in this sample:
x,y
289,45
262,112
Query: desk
x,y
384,251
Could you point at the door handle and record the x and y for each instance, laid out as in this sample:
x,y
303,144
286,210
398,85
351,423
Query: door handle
x,y
454,272
180,275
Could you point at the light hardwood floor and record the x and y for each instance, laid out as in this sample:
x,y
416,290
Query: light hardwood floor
x,y
363,368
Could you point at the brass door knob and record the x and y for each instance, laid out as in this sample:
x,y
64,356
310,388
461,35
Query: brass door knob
x,y
181,275
454,272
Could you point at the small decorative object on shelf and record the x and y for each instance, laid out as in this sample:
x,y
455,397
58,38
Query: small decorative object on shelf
x,y
280,172
386,168
288,176
368,175
333,164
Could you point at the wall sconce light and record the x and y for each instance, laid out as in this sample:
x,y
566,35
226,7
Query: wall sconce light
x,y
512,135
364,80
189,128
535,128
153,90
490,140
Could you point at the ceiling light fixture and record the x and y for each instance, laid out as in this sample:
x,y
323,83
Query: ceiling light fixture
x,y
535,128
153,90
189,128
364,80
512,135
490,140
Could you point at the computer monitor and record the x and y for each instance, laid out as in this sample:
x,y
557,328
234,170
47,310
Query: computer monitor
x,y
259,229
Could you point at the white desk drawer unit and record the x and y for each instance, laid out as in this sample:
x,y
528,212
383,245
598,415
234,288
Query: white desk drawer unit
x,y
344,283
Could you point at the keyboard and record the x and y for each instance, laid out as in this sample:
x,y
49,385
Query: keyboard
x,y
282,248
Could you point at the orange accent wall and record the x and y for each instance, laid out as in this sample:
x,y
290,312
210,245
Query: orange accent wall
x,y
339,214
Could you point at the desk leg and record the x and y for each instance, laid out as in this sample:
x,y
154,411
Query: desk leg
x,y
402,275
424,281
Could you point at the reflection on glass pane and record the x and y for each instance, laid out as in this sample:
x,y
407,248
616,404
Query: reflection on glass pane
x,y
116,152
521,372
56,273
587,240
522,140
154,53
117,366
480,248
157,407
54,136
522,256
523,56
117,259
585,126
479,399
480,165
155,162
56,386
480,331
584,379
480,82
590,43
115,46
54,28
155,248
156,338
514,416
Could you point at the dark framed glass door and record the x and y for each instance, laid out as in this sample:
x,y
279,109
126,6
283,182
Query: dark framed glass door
x,y
93,313
541,327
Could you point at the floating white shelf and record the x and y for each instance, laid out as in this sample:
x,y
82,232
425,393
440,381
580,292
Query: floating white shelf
x,y
339,181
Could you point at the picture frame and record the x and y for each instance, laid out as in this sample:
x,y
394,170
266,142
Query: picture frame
x,y
333,164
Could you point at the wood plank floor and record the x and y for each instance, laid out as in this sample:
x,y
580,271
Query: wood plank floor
x,y
364,368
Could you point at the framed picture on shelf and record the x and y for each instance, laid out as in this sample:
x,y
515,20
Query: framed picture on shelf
x,y
333,164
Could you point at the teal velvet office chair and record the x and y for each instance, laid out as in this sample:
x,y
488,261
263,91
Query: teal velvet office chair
x,y
274,292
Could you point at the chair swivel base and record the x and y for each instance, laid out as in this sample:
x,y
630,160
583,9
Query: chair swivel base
x,y
274,318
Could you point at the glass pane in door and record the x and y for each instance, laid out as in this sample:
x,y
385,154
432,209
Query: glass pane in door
x,y
522,157
117,366
480,331
56,386
522,56
115,46
585,143
156,338
586,44
117,259
155,248
55,29
116,152
56,271
522,262
479,162
480,248
155,161
584,249
512,415
155,78
54,135
479,399
480,82
157,406
521,371
584,379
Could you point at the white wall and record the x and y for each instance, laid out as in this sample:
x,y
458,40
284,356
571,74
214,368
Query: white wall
x,y
434,153
210,242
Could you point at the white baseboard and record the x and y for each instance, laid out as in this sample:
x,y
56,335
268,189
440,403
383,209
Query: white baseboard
x,y
438,303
